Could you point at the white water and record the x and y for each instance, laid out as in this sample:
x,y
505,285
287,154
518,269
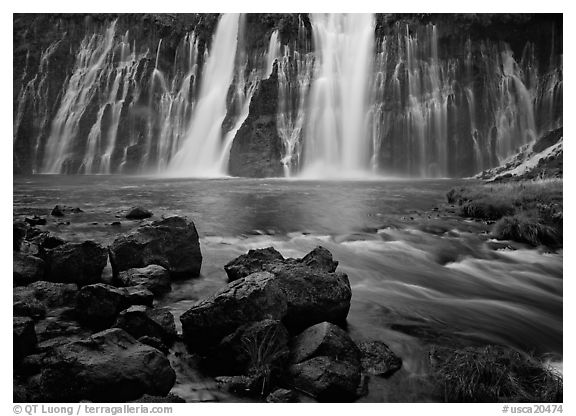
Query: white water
x,y
201,151
336,141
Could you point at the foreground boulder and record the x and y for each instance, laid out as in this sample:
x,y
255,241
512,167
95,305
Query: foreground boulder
x,y
171,243
80,263
23,337
326,363
27,269
250,299
109,366
153,277
326,379
378,359
141,321
314,291
98,305
54,295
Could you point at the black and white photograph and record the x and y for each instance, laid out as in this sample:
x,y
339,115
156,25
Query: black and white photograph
x,y
287,208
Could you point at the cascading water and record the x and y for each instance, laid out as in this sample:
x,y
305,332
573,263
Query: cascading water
x,y
201,151
335,141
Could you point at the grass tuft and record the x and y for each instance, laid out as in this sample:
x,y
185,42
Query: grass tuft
x,y
494,374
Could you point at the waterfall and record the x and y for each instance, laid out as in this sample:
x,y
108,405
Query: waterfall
x,y
201,151
273,53
336,141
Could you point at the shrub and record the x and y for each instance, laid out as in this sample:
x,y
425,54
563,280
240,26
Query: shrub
x,y
527,230
494,374
486,209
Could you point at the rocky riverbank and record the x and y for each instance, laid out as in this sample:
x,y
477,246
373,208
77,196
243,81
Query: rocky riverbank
x,y
275,332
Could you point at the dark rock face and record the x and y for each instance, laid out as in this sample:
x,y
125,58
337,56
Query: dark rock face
x,y
57,211
236,352
140,321
27,269
257,149
378,359
54,294
320,259
25,303
324,339
253,298
24,337
282,396
171,243
109,366
35,220
80,263
138,295
326,379
153,277
252,262
138,213
98,305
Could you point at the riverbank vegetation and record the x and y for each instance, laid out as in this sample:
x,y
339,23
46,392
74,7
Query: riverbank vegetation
x,y
528,211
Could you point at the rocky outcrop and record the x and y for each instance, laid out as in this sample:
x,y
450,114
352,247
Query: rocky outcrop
x,y
378,359
257,148
153,277
140,321
171,243
250,299
80,263
138,213
98,305
110,366
27,269
23,337
282,396
257,260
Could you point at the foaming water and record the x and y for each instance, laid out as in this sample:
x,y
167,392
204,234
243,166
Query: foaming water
x,y
417,277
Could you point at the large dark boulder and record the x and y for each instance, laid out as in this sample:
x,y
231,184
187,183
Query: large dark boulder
x,y
171,243
153,277
54,295
314,291
110,366
378,359
327,379
324,339
98,305
250,299
80,263
23,337
140,321
254,261
27,269
255,344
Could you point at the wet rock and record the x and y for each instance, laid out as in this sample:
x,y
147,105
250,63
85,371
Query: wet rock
x,y
19,232
27,269
57,211
26,304
169,398
324,339
138,213
116,224
171,243
242,385
254,261
138,295
326,379
140,321
155,343
253,298
35,220
109,366
282,396
378,359
313,293
155,278
98,305
23,337
80,263
234,354
54,295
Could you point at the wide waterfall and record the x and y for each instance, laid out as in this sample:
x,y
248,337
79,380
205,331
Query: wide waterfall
x,y
202,150
335,140
353,95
